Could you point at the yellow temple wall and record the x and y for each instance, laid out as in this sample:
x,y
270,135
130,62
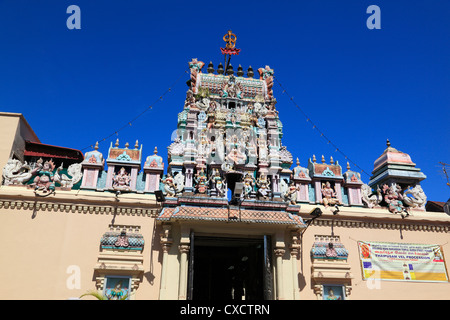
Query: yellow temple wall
x,y
14,130
49,242
46,251
44,248
379,226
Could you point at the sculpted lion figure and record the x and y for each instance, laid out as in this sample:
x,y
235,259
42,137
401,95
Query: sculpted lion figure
x,y
75,172
369,198
418,198
16,172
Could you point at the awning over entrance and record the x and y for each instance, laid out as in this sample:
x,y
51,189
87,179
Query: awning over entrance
x,y
231,215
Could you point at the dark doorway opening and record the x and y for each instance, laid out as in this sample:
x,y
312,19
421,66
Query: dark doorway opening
x,y
228,269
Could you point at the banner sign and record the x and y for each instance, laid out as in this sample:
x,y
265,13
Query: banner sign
x,y
402,262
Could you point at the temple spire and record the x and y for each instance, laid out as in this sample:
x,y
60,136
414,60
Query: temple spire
x,y
230,48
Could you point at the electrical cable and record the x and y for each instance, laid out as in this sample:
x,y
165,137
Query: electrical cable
x,y
139,115
308,119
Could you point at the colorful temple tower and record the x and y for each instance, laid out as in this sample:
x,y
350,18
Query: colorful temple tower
x,y
229,143
229,127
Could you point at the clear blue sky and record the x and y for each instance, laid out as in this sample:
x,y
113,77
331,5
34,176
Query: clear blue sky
x,y
359,86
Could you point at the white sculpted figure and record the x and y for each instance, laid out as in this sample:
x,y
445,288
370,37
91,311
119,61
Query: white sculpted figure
x,y
291,193
284,187
418,199
176,148
74,171
173,185
260,109
203,104
169,185
179,182
121,180
369,198
217,183
15,172
263,187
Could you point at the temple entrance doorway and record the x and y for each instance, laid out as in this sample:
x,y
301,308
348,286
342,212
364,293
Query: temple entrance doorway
x,y
223,268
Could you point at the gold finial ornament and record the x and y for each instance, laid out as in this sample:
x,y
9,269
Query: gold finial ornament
x,y
230,38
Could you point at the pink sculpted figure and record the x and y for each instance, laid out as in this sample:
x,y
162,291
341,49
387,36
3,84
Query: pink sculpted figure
x,y
121,180
329,195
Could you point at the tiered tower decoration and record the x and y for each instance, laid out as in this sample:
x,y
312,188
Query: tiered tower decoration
x,y
228,132
397,182
123,167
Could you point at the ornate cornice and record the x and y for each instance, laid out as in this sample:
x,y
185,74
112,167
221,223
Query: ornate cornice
x,y
407,225
42,205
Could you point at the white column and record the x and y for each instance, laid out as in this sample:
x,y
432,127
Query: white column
x,y
279,252
166,243
294,255
182,288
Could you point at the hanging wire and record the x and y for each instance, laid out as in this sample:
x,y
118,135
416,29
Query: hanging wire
x,y
128,124
445,171
314,126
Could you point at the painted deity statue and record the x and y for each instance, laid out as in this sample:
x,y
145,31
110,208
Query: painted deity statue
x,y
204,145
201,181
121,180
117,293
235,156
210,122
263,186
331,251
195,67
217,183
266,74
263,153
122,240
329,195
394,199
44,180
169,185
249,182
231,89
291,194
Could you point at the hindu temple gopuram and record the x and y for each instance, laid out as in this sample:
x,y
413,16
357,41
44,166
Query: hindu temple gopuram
x,y
231,215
